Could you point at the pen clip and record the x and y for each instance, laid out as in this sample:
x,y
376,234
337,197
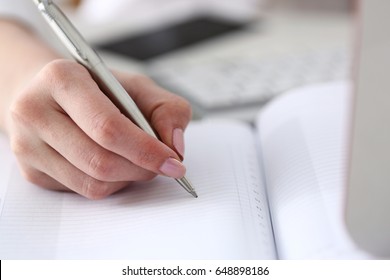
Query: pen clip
x,y
66,32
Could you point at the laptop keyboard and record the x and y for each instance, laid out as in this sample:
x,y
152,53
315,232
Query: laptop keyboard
x,y
227,84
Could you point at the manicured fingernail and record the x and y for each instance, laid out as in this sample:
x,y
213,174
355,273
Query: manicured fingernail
x,y
178,140
173,168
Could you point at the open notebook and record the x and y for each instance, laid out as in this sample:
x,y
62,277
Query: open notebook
x,y
274,191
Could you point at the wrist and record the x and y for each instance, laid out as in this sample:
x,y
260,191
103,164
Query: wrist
x,y
23,55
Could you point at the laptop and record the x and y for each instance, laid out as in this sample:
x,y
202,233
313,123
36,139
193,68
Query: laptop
x,y
368,182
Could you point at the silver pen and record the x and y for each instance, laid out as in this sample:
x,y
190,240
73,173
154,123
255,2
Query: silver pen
x,y
88,57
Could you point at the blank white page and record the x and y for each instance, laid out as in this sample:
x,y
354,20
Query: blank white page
x,y
304,137
152,220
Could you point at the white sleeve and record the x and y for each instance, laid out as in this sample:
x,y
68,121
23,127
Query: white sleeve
x,y
22,10
26,12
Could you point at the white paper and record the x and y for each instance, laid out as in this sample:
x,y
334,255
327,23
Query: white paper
x,y
152,220
304,142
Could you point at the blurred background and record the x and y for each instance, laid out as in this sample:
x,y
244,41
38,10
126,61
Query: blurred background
x,y
137,15
228,58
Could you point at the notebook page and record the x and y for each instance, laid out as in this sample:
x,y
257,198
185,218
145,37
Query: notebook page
x,y
6,162
303,138
152,220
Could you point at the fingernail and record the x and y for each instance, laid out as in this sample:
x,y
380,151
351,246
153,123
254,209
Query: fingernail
x,y
173,168
178,140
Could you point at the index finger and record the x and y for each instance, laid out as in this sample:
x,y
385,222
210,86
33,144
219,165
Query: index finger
x,y
80,97
169,114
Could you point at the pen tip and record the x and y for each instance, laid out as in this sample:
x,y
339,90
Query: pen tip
x,y
187,186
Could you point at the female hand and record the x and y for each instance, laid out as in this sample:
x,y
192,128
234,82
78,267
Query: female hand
x,y
67,135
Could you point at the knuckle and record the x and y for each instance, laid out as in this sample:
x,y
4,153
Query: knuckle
x,y
146,155
139,80
21,147
105,129
33,176
176,108
60,70
18,108
55,70
101,167
183,108
27,118
184,103
143,158
23,111
94,189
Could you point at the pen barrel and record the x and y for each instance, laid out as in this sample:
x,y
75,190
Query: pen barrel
x,y
119,96
88,57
